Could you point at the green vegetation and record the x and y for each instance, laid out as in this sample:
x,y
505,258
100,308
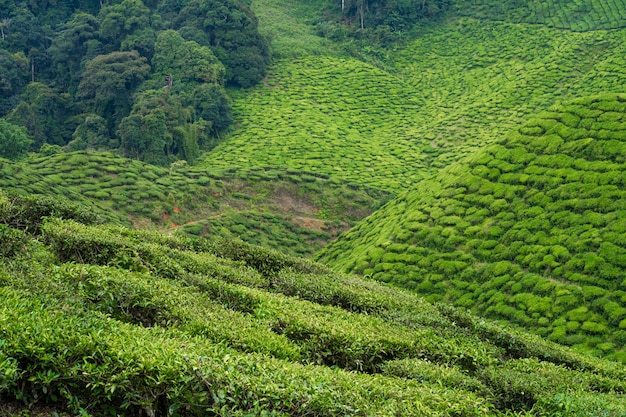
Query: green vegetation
x,y
101,320
530,230
573,15
294,211
14,140
148,77
526,228
455,87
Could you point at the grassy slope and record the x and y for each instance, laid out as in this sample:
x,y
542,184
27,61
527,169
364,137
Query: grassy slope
x,y
459,85
292,210
529,230
106,320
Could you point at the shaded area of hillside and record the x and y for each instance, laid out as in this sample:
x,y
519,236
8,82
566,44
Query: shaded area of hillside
x,y
531,230
100,319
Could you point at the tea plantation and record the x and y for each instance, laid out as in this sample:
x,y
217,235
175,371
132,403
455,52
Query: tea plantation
x,y
450,88
295,211
572,15
102,320
531,230
488,280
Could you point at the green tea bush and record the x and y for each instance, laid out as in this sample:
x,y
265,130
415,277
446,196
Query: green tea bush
x,y
27,212
557,227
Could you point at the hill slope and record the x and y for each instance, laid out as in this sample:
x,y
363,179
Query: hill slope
x,y
530,230
100,319
563,14
295,211
457,86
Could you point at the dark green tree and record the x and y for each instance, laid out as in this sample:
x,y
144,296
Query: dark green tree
x,y
45,113
395,14
118,21
187,62
13,77
91,133
14,140
146,137
150,132
197,76
212,104
232,33
70,48
108,82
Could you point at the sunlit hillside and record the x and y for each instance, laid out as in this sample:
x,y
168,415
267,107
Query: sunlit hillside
x,y
530,230
460,84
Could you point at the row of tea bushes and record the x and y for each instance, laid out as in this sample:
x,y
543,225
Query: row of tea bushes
x,y
285,209
102,319
579,16
530,230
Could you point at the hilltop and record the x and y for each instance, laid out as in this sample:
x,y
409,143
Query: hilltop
x,y
529,230
100,319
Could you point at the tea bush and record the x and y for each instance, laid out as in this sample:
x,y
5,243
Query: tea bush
x,y
550,235
102,319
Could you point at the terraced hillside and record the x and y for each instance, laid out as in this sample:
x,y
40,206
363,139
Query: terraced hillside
x,y
295,211
459,85
563,14
530,230
102,320
330,115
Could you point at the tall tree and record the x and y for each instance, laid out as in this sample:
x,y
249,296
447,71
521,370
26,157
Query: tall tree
x,y
197,76
186,61
91,133
118,21
5,22
45,113
14,140
152,132
108,82
70,47
232,32
13,77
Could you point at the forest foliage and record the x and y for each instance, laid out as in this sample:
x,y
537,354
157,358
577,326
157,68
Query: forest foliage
x,y
147,78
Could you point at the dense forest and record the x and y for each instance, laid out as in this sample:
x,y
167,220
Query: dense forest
x,y
148,78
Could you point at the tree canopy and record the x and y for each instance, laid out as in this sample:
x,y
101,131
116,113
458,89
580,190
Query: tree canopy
x,y
14,140
85,74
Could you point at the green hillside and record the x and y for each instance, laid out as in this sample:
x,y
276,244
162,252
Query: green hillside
x,y
294,211
563,14
102,320
457,86
531,230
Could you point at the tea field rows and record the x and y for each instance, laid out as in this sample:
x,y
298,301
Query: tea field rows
x,y
562,14
295,211
100,319
456,87
531,230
